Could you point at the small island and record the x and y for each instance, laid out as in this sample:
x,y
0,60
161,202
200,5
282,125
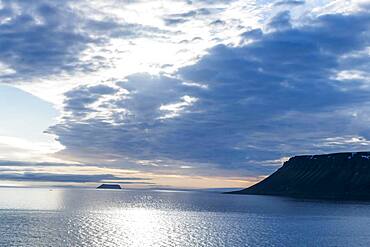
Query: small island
x,y
339,176
110,186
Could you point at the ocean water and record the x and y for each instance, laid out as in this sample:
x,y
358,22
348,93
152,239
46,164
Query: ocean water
x,y
87,217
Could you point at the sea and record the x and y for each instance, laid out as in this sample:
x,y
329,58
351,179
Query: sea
x,y
89,217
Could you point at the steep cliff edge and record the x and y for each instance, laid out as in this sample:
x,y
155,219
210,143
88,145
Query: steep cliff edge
x,y
343,176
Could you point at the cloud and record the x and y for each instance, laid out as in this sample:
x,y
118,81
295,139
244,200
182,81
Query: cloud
x,y
114,28
77,101
34,164
281,21
39,38
42,38
274,97
290,2
253,34
210,2
69,178
178,18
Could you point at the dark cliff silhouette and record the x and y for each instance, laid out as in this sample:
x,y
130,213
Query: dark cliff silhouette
x,y
339,176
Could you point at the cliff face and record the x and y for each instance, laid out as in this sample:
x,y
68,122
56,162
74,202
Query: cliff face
x,y
344,176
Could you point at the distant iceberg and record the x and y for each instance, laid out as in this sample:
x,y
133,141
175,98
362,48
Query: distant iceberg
x,y
110,186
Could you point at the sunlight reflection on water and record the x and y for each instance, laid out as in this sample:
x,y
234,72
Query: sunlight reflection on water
x,y
38,217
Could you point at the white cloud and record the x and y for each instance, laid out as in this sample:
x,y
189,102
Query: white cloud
x,y
15,148
175,109
5,69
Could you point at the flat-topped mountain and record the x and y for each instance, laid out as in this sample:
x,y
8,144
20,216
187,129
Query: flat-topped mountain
x,y
342,176
110,186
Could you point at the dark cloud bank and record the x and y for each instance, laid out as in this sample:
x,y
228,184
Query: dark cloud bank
x,y
30,172
276,96
69,178
41,38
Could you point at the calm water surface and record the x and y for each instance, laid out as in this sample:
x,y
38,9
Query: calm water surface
x,y
85,217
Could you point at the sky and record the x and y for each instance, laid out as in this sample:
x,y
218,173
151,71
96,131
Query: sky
x,y
178,93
